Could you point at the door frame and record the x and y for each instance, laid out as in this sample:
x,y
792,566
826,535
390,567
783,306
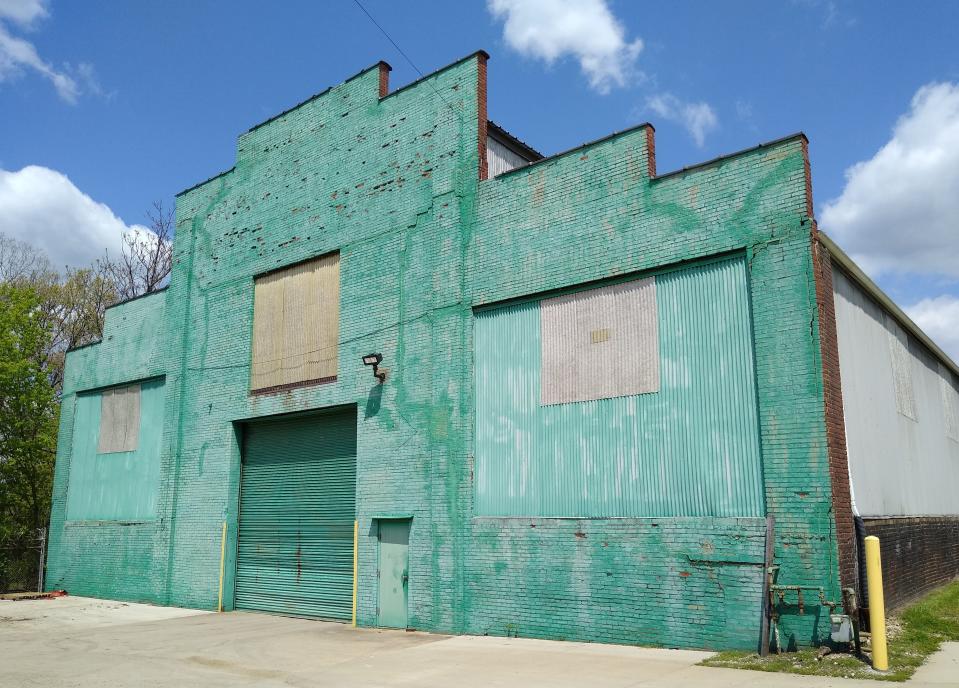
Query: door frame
x,y
378,522
232,511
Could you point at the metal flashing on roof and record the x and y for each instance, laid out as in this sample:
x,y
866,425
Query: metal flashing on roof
x,y
721,158
575,149
857,275
495,130
481,53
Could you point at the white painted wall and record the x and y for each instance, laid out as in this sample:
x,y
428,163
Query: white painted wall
x,y
901,408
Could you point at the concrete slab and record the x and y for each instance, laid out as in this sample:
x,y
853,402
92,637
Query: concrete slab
x,y
81,642
942,669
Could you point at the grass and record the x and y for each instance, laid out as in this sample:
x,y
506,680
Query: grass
x,y
914,633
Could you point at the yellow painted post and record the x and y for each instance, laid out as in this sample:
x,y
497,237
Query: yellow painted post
x,y
219,603
356,532
877,605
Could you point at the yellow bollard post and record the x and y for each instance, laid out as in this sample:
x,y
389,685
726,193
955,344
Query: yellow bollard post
x,y
356,532
219,601
877,606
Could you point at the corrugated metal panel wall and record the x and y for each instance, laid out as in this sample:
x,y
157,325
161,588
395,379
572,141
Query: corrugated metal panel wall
x,y
500,158
297,506
296,323
900,407
690,449
119,485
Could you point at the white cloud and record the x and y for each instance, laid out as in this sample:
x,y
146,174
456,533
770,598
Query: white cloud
x,y
23,12
939,318
18,54
585,29
42,207
899,210
699,119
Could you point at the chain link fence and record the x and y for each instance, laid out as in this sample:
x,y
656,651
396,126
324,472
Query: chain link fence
x,y
21,562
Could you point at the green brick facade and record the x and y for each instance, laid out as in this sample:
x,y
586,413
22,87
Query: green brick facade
x,y
394,182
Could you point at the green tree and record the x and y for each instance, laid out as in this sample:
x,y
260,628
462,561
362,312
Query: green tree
x,y
28,428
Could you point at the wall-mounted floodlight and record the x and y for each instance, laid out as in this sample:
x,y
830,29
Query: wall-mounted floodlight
x,y
375,360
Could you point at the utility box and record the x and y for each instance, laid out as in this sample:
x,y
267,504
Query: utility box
x,y
840,628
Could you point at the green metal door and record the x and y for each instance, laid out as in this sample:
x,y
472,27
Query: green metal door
x,y
393,574
297,505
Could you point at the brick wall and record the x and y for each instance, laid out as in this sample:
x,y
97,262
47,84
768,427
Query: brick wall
x,y
835,421
918,554
393,183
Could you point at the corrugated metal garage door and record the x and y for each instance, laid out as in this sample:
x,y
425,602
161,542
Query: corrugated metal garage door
x,y
297,505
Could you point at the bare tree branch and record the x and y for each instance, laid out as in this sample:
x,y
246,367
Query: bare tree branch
x,y
145,259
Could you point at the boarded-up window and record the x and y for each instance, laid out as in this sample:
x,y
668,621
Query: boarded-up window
x,y
901,369
296,324
119,420
600,343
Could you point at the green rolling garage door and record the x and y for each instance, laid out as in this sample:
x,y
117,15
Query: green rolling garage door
x,y
297,505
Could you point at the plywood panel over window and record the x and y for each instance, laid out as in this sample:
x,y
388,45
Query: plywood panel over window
x,y
296,324
119,420
600,343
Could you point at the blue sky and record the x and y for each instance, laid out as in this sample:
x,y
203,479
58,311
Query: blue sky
x,y
121,104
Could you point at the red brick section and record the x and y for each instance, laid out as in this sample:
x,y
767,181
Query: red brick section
x,y
919,554
832,397
481,59
651,150
385,70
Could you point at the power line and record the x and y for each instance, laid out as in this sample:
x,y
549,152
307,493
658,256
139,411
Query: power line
x,y
405,56
389,38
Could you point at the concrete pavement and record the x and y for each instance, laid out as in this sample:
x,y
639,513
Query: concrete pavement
x,y
74,641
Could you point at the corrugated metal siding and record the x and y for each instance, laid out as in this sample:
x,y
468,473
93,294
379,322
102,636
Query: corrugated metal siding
x,y
119,485
587,336
296,323
898,403
691,449
500,159
297,506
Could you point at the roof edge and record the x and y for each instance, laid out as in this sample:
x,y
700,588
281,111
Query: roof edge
x,y
137,297
378,65
497,130
588,144
360,73
713,161
863,280
436,72
205,181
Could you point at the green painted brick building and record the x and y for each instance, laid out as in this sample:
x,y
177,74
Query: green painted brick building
x,y
600,381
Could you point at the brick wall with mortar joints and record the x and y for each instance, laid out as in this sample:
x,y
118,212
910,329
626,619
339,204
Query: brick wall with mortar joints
x,y
593,214
918,554
386,192
845,528
423,250
122,561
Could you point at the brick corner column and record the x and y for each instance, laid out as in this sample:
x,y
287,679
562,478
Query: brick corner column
x,y
385,70
481,59
651,150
